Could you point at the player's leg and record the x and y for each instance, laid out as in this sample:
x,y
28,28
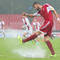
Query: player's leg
x,y
49,44
25,34
3,33
32,37
47,29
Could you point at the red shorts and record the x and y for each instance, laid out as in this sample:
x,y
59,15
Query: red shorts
x,y
47,28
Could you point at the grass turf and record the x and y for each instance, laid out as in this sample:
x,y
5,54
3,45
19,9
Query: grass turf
x,y
9,44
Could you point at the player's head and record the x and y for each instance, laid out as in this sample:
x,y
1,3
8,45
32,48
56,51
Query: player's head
x,y
37,5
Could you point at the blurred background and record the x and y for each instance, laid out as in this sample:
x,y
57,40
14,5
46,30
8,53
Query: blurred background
x,y
10,12
18,6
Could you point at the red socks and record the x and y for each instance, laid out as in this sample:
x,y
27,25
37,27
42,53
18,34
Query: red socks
x,y
30,38
50,47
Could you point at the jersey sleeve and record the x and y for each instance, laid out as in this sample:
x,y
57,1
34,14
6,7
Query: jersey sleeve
x,y
50,8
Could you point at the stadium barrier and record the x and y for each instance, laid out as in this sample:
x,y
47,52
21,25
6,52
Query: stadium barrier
x,y
14,22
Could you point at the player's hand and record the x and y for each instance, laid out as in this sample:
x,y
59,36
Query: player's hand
x,y
58,19
24,14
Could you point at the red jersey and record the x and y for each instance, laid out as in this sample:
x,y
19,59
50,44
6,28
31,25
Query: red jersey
x,y
46,13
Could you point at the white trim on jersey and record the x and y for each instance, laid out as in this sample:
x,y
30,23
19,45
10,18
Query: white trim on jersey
x,y
46,25
49,8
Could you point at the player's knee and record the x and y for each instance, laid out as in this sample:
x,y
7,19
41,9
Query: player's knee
x,y
46,38
38,32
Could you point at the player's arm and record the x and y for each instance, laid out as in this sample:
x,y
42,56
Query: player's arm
x,y
55,13
58,19
30,15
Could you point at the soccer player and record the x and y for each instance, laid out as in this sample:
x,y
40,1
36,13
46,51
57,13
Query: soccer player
x,y
28,26
36,25
2,27
46,11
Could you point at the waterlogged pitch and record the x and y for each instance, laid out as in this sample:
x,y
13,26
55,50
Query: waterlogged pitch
x,y
10,49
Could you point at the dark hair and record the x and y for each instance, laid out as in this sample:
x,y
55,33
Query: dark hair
x,y
35,3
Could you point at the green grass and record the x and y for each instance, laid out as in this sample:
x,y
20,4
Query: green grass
x,y
9,44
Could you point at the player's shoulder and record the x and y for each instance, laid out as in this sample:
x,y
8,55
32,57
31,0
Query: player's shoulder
x,y
46,5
